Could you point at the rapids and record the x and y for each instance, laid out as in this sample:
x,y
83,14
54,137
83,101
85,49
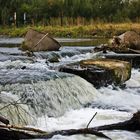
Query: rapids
x,y
46,99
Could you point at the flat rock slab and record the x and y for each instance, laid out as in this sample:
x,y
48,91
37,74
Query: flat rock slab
x,y
134,59
100,72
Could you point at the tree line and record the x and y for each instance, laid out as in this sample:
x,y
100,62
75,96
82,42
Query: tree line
x,y
67,12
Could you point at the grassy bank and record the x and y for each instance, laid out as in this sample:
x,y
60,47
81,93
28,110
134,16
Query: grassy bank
x,y
100,29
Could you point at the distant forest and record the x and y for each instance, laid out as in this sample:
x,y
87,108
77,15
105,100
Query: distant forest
x,y
67,12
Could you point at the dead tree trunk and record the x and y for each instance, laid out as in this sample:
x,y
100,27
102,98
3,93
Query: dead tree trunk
x,y
131,125
6,134
15,133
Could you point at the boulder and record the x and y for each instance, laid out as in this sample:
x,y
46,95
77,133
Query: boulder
x,y
100,72
38,41
128,42
129,39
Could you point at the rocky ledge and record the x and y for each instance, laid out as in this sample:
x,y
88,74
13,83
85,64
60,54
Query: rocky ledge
x,y
100,72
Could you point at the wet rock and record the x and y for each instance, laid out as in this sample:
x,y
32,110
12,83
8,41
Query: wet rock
x,y
128,42
134,59
23,67
129,39
53,57
37,41
100,72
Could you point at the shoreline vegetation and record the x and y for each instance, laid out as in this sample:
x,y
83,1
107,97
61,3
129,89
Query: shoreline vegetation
x,y
79,31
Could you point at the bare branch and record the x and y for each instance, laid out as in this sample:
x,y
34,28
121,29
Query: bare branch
x,y
91,119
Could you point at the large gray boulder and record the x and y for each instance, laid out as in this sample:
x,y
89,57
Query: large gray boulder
x,y
38,41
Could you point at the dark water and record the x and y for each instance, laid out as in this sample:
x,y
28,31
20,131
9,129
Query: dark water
x,y
16,42
85,42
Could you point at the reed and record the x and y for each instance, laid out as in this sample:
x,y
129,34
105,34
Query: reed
x,y
79,31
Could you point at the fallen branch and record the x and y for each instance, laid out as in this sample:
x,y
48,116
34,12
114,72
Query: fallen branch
x,y
6,134
4,120
10,132
12,103
22,128
130,125
74,132
91,119
14,134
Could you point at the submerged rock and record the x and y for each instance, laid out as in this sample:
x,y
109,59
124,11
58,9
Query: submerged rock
x,y
37,41
100,72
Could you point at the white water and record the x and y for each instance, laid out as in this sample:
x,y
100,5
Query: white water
x,y
115,100
111,104
80,118
127,99
13,109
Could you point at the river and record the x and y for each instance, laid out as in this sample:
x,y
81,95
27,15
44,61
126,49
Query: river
x,y
50,100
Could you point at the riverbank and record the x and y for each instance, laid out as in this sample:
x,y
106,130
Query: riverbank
x,y
88,31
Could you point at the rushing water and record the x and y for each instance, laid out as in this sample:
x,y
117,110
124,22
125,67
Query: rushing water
x,y
51,100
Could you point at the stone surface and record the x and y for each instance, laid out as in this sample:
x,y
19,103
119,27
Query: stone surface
x,y
100,72
46,44
128,42
129,39
134,59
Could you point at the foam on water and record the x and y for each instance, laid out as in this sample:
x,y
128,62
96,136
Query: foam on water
x,y
119,99
127,99
135,79
79,119
80,57
49,93
12,109
75,119
18,64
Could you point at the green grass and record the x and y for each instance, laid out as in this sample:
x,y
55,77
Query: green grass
x,y
101,30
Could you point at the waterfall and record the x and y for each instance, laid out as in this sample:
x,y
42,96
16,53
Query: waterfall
x,y
46,93
12,109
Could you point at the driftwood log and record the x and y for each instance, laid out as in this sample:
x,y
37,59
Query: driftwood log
x,y
4,120
130,125
123,54
13,133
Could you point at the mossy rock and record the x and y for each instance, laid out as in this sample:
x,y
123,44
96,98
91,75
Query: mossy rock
x,y
100,72
121,69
